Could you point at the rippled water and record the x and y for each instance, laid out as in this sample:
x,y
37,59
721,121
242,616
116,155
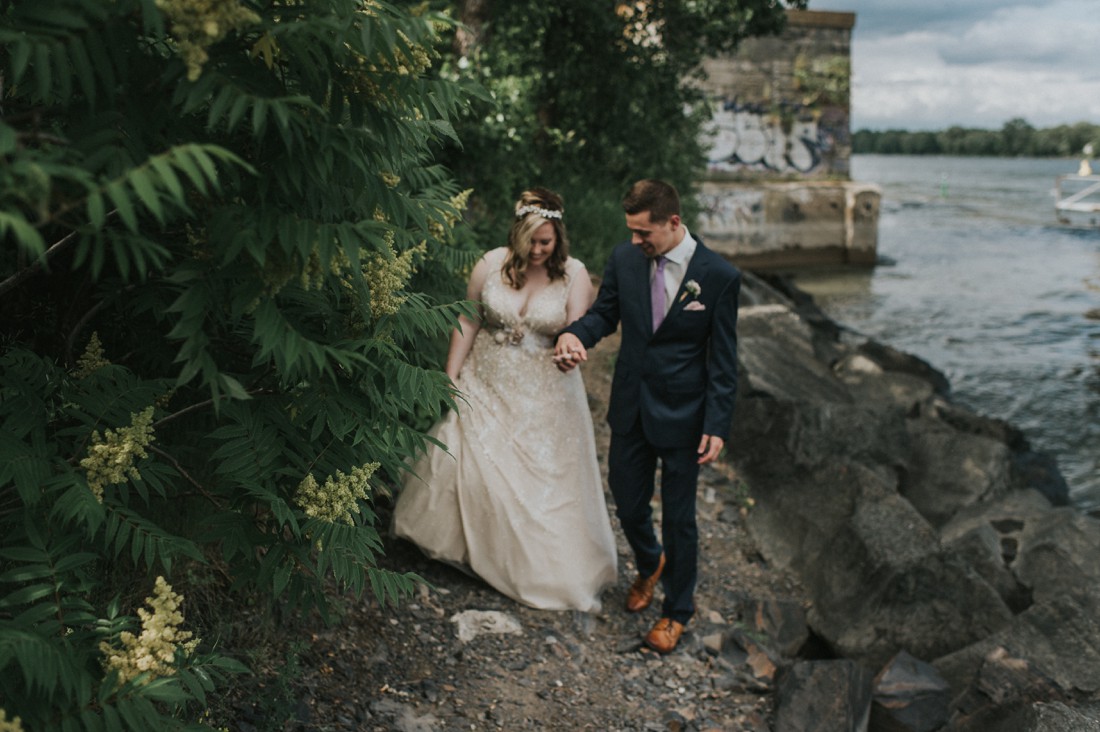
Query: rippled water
x,y
980,281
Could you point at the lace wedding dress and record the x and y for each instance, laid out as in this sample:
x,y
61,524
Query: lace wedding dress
x,y
519,499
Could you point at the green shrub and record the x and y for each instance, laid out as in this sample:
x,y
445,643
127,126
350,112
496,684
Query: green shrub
x,y
209,352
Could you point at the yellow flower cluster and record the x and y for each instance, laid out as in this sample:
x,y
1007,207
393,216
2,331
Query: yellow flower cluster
x,y
154,651
92,358
419,61
458,201
415,62
436,229
314,273
387,275
165,399
369,79
391,179
199,24
279,270
15,724
409,59
338,498
111,457
198,242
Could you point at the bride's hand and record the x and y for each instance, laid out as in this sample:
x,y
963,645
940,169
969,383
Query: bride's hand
x,y
568,352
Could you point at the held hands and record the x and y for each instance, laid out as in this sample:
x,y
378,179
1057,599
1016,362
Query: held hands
x,y
710,447
569,352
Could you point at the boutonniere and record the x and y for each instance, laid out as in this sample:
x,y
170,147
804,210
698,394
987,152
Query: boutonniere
x,y
691,287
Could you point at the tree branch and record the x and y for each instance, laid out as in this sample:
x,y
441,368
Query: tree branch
x,y
183,473
202,405
29,271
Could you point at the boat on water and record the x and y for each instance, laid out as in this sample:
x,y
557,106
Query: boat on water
x,y
1077,197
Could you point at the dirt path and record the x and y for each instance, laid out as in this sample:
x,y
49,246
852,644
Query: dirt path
x,y
406,668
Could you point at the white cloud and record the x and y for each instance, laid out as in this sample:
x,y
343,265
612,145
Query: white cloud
x,y
1063,36
973,64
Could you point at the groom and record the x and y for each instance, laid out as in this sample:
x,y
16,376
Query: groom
x,y
673,390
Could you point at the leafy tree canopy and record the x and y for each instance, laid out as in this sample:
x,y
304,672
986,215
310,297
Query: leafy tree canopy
x,y
1015,138
587,97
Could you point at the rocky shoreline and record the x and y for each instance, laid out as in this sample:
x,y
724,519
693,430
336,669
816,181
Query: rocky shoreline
x,y
872,557
934,545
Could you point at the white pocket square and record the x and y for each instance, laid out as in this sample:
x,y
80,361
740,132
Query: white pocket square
x,y
695,305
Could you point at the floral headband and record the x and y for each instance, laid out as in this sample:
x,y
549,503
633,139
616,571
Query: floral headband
x,y
543,212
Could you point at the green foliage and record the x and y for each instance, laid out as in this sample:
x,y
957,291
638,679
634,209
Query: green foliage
x,y
1015,138
823,81
586,98
205,247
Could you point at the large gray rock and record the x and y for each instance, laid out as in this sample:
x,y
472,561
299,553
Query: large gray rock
x,y
874,567
783,622
1029,470
1026,548
909,696
870,383
948,470
1053,717
824,695
1058,639
894,361
778,358
991,553
1059,553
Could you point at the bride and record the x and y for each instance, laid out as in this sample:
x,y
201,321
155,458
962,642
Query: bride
x,y
517,498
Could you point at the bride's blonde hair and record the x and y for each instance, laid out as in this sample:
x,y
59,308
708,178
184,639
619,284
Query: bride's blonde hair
x,y
534,208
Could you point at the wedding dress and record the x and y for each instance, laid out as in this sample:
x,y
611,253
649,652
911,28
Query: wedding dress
x,y
518,499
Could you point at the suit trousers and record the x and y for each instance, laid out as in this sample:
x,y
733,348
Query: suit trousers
x,y
632,464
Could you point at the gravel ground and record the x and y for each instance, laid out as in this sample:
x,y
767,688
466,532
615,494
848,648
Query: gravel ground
x,y
406,668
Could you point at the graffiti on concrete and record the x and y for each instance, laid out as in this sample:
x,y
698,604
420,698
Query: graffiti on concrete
x,y
731,213
752,137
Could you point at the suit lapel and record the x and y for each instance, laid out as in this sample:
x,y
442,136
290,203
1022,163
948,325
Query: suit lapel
x,y
640,279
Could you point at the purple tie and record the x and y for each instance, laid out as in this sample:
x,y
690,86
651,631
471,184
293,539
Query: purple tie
x,y
657,293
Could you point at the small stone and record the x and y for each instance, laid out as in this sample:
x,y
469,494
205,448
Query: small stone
x,y
674,721
628,644
429,690
713,643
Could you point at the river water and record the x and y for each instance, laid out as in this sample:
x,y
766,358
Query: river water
x,y
978,279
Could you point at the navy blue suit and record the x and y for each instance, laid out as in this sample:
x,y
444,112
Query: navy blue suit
x,y
670,388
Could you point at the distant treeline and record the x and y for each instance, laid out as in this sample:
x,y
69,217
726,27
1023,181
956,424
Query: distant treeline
x,y
1015,138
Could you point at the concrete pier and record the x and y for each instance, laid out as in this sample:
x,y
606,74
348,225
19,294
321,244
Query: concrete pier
x,y
776,192
775,225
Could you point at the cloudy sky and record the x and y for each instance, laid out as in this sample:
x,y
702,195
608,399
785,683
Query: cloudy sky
x,y
931,64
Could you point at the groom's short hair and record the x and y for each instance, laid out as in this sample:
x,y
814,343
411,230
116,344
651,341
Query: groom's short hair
x,y
659,198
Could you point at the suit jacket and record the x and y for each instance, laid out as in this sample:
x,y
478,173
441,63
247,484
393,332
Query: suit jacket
x,y
682,379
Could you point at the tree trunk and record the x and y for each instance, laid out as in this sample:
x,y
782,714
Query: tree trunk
x,y
472,14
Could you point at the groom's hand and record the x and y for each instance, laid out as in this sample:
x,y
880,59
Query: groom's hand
x,y
568,352
710,447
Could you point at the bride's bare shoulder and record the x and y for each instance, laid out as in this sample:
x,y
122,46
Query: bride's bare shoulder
x,y
574,265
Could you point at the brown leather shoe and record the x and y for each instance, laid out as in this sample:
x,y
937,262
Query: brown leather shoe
x,y
641,592
664,636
